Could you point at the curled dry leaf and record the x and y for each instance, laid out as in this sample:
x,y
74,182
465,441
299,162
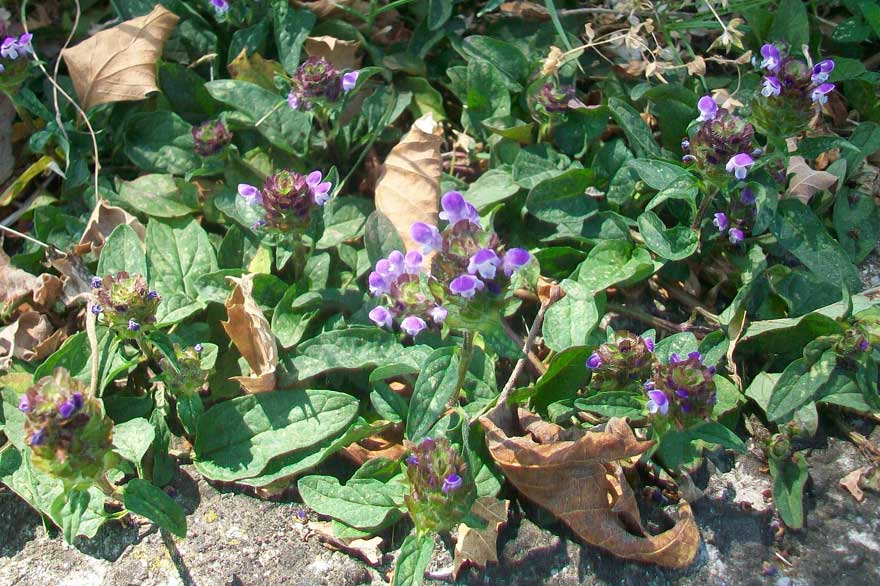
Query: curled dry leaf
x,y
576,476
50,289
851,483
342,54
30,337
119,64
480,546
368,550
326,8
806,181
75,275
409,189
14,283
102,222
249,330
374,447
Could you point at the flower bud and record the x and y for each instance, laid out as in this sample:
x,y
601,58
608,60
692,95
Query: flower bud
x,y
440,492
125,303
288,199
210,137
190,378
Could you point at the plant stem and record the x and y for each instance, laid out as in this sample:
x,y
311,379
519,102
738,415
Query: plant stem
x,y
704,207
464,363
105,486
657,322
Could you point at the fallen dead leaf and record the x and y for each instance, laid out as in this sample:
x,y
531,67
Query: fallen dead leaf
x,y
851,483
249,330
341,54
409,189
527,10
30,337
76,276
49,290
368,550
325,8
806,181
119,64
14,283
255,69
101,224
576,476
697,66
480,546
373,447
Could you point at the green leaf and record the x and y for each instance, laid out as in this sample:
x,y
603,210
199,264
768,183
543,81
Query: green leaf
x,y
433,390
503,57
675,243
185,91
158,196
570,320
682,344
439,12
344,220
492,187
789,478
637,132
413,560
380,237
189,409
236,439
799,385
579,129
178,253
69,509
715,433
284,127
564,377
562,199
363,503
123,251
857,223
148,500
133,438
612,262
292,27
801,233
487,97
161,142
612,404
791,24
352,349
658,175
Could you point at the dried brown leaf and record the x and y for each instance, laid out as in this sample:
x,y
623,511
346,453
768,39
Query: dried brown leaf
x,y
409,189
31,337
697,66
50,289
806,181
101,224
14,283
373,447
480,546
851,483
249,330
76,276
342,54
119,64
580,481
325,8
255,69
368,550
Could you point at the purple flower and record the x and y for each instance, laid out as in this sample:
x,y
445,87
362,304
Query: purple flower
x,y
413,325
152,294
747,196
735,235
97,282
594,361
771,56
657,402
24,44
721,222
320,190
24,404
220,6
426,235
696,355
515,259
685,145
133,326
707,107
682,393
822,70
485,262
771,87
466,286
78,401
379,285
451,483
674,359
391,267
381,316
198,348
66,409
649,344
9,49
456,209
438,314
412,460
649,385
38,437
739,165
863,346
349,80
97,309
294,100
820,94
2,69
412,262
251,194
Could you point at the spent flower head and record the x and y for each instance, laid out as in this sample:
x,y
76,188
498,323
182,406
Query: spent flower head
x,y
125,303
623,362
69,435
210,137
316,80
440,492
683,391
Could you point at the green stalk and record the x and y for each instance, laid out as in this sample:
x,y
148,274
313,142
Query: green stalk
x,y
464,363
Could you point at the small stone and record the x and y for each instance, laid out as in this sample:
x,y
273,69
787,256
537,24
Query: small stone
x,y
783,581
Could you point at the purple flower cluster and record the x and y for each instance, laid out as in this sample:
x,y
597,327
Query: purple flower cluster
x,y
622,362
739,217
467,262
720,140
683,390
125,302
287,199
317,79
14,47
210,137
439,491
221,7
790,91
